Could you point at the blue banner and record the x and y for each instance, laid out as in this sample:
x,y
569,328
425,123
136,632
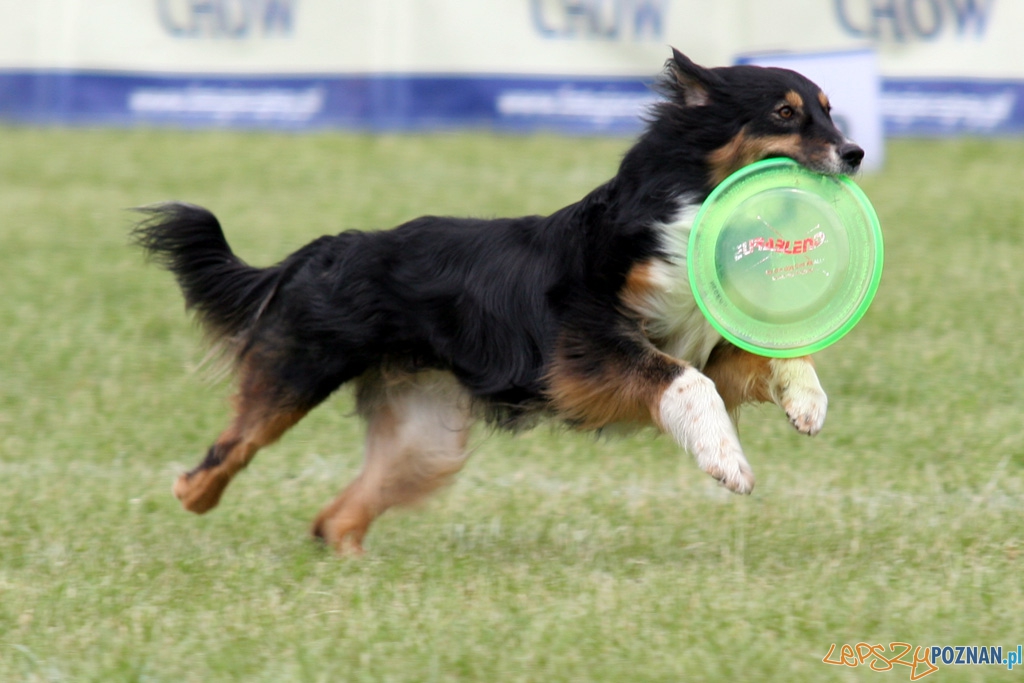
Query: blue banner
x,y
420,102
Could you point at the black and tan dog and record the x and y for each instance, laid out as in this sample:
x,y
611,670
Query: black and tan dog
x,y
584,316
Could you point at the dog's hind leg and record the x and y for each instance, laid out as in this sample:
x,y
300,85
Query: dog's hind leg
x,y
264,410
417,428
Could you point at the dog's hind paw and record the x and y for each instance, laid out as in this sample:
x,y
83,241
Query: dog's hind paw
x,y
200,491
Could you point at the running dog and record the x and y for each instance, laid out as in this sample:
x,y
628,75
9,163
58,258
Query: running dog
x,y
584,316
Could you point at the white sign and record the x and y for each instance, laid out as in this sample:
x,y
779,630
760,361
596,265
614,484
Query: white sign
x,y
945,65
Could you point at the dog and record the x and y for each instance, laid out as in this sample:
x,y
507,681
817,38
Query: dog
x,y
584,316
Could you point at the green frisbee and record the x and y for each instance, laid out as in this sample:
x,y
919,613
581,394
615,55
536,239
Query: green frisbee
x,y
784,261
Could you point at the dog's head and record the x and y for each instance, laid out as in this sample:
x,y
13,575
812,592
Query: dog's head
x,y
757,113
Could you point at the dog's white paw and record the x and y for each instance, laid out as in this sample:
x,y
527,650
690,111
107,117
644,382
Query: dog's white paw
x,y
693,413
726,463
796,390
806,410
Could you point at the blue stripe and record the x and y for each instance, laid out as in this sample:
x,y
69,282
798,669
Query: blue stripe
x,y
418,102
386,102
952,106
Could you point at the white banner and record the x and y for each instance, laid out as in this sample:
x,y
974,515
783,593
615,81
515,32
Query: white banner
x,y
300,62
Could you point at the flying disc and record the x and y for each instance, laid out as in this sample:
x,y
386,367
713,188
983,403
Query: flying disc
x,y
784,261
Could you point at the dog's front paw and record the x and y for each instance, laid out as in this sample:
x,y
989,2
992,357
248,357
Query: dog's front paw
x,y
693,413
806,409
796,389
727,464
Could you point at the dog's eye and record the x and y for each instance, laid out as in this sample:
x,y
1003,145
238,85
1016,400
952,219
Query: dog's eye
x,y
786,112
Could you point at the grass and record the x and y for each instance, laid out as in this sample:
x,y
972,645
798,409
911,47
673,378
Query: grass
x,y
556,556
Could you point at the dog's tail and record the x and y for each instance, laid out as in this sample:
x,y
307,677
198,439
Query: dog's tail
x,y
227,295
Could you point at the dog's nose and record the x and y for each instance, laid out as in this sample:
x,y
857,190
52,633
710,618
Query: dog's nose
x,y
851,154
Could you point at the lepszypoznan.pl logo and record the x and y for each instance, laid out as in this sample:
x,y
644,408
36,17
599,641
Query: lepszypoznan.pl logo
x,y
921,661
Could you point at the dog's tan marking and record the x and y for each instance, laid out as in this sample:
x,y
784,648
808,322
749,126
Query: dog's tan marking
x,y
644,281
791,383
258,422
745,149
617,392
823,99
740,377
794,99
417,429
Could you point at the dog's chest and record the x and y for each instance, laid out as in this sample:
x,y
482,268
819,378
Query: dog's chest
x,y
659,291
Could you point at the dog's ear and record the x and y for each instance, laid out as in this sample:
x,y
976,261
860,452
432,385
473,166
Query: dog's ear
x,y
688,83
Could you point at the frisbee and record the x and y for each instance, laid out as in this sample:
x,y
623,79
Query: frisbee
x,y
784,261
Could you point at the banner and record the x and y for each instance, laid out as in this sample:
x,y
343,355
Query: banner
x,y
946,66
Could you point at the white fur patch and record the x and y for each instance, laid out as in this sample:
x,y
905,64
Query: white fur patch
x,y
795,388
671,314
432,414
693,413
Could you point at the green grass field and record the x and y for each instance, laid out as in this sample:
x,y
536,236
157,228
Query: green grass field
x,y
557,556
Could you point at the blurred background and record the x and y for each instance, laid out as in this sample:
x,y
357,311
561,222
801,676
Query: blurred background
x,y
898,67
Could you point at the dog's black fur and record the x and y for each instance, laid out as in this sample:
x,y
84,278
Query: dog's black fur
x,y
562,315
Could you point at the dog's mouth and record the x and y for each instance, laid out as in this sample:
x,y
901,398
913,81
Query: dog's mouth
x,y
829,158
841,159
